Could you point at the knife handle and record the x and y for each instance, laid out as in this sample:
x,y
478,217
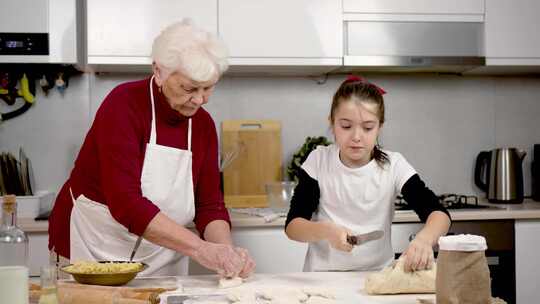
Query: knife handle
x,y
351,239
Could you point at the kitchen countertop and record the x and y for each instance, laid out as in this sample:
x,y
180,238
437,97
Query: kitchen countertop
x,y
346,286
529,209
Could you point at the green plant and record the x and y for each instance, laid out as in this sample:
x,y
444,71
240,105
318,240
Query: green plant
x,y
300,156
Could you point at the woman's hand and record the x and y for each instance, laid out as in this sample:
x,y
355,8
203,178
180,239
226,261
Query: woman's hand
x,y
249,263
419,255
337,236
223,259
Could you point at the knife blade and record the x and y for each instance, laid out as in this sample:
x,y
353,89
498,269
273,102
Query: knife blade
x,y
137,243
185,299
359,239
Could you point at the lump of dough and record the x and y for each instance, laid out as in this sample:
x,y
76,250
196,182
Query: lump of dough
x,y
242,295
394,280
283,294
229,283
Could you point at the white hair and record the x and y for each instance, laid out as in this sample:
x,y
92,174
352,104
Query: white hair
x,y
183,47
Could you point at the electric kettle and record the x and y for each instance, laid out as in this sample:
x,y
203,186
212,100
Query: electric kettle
x,y
499,173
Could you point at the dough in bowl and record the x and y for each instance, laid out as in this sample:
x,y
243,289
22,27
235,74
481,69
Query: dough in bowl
x,y
393,280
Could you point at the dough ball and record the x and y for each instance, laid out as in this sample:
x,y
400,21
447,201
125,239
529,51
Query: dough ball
x,y
229,283
241,295
274,294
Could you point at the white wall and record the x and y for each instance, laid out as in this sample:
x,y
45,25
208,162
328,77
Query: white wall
x,y
439,123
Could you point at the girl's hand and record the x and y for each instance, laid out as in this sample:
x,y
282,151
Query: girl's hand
x,y
337,236
418,256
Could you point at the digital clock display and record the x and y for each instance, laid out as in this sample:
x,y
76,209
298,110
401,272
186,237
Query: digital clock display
x,y
12,44
23,43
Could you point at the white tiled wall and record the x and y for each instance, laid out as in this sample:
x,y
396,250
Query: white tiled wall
x,y
439,123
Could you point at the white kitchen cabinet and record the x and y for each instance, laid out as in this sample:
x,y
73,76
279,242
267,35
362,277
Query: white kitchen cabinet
x,y
527,262
269,247
414,6
281,32
414,10
512,32
122,31
38,251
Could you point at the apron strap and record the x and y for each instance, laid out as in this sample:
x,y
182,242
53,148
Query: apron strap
x,y
153,129
189,135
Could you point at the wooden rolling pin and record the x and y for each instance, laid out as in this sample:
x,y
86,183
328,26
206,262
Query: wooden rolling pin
x,y
91,294
73,293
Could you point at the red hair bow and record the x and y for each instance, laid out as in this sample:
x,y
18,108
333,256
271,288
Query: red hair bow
x,y
354,78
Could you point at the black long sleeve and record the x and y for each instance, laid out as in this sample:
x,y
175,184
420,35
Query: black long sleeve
x,y
421,199
305,199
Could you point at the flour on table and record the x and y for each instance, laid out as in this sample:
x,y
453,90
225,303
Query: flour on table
x,y
229,283
319,300
394,280
322,292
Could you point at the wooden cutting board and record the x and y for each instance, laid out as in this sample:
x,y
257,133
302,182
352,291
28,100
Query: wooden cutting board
x,y
255,147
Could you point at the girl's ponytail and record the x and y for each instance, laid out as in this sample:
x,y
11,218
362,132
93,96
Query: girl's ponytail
x,y
379,156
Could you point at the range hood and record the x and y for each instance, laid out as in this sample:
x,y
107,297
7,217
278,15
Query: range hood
x,y
413,46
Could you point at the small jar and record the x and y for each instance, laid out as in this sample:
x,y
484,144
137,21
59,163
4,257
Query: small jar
x,y
462,270
48,285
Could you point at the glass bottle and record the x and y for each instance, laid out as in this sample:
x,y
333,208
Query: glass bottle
x,y
13,241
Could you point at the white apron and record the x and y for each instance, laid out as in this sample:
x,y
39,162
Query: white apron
x,y
166,181
360,199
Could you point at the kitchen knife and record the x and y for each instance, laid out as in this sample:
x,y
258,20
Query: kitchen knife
x,y
185,299
365,237
137,243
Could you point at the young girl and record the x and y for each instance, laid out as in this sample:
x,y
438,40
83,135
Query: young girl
x,y
349,188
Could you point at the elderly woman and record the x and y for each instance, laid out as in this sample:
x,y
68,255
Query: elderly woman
x,y
149,166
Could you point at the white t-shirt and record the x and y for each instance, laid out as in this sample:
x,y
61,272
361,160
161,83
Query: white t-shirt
x,y
360,199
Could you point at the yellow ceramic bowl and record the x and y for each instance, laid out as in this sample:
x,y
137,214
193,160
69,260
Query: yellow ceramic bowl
x,y
105,279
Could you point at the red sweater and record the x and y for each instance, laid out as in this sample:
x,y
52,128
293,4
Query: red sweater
x,y
109,165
